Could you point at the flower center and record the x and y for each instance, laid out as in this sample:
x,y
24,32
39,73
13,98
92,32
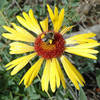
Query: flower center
x,y
49,45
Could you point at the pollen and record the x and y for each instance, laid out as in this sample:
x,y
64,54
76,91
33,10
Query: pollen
x,y
48,51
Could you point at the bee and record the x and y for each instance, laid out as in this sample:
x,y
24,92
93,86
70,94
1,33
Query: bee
x,y
48,37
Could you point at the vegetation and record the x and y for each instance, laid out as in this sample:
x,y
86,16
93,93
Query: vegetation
x,y
9,87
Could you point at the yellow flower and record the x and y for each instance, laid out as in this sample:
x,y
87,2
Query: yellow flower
x,y
50,47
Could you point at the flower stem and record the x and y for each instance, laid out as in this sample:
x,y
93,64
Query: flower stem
x,y
18,5
49,96
5,19
46,92
71,91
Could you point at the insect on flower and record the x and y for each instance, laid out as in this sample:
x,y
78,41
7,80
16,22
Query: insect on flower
x,y
48,37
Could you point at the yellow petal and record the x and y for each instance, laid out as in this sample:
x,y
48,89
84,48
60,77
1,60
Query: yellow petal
x,y
85,35
18,60
74,51
80,38
35,71
19,63
85,50
32,73
76,73
9,29
18,37
52,76
55,18
35,22
19,67
56,13
46,76
50,13
85,41
19,48
59,21
30,22
68,72
71,71
56,73
22,21
18,34
31,15
86,45
23,33
44,24
66,29
61,74
12,37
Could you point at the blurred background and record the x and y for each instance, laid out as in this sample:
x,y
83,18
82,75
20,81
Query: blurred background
x,y
85,15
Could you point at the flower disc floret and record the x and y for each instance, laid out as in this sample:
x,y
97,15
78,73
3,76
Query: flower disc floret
x,y
49,51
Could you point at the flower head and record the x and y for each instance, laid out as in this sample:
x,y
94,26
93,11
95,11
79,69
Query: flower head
x,y
49,46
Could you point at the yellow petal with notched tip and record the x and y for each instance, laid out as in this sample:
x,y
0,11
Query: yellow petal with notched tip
x,y
46,76
30,22
22,21
26,17
44,24
19,63
54,75
9,29
21,31
51,13
17,37
11,66
79,53
55,18
58,23
19,67
61,74
85,50
19,48
72,78
34,21
66,29
18,60
75,72
32,73
18,33
72,73
31,15
80,38
68,72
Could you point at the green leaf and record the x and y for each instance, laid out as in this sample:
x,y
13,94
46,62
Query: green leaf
x,y
59,96
98,77
82,95
32,93
27,8
3,3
